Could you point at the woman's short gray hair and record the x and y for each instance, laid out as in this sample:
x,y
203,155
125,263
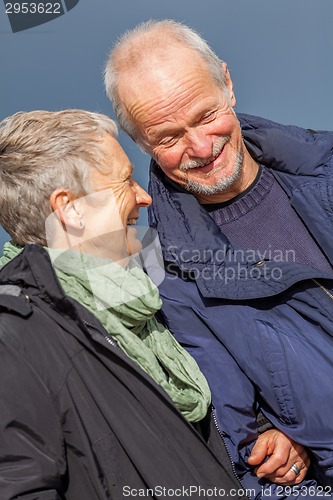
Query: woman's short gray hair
x,y
41,151
139,42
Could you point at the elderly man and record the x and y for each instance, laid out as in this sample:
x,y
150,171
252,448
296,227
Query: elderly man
x,y
244,214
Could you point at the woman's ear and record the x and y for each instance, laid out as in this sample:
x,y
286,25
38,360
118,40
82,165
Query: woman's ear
x,y
229,84
65,206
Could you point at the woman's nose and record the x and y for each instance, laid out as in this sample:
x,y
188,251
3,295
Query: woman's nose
x,y
142,197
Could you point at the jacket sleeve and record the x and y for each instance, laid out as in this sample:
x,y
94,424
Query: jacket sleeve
x,y
233,394
32,460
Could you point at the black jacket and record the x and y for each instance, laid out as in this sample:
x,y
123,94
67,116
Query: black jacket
x,y
78,419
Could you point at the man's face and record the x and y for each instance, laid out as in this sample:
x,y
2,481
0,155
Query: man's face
x,y
187,124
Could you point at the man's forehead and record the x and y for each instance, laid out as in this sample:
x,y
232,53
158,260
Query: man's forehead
x,y
157,55
158,66
167,89
167,109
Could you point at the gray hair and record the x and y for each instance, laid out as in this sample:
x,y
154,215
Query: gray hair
x,y
41,151
143,40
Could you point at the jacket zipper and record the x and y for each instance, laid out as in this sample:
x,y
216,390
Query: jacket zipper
x,y
233,468
324,289
110,341
105,335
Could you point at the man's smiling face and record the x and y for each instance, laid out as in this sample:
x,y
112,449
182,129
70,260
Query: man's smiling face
x,y
185,121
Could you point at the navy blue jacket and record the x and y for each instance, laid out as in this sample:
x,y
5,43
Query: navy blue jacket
x,y
260,331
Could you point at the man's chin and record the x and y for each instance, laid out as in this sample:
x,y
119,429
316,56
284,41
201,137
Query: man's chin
x,y
211,186
218,180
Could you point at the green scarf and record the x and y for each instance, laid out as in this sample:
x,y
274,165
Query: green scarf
x,y
125,301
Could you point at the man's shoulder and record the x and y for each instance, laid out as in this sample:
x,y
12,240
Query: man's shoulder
x,y
253,122
249,122
287,148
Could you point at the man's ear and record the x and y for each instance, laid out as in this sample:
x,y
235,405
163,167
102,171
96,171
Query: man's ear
x,y
229,84
64,205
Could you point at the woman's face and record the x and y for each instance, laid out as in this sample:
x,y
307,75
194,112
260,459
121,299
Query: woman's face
x,y
110,213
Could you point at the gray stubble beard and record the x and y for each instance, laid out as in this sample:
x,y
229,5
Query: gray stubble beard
x,y
222,185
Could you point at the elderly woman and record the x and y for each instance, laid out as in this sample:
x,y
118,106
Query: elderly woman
x,y
97,396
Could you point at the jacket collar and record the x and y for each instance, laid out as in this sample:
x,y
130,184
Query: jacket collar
x,y
192,241
287,148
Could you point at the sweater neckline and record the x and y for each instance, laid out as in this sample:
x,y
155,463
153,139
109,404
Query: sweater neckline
x,y
247,200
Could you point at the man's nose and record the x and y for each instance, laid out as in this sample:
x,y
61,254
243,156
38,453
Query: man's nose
x,y
199,144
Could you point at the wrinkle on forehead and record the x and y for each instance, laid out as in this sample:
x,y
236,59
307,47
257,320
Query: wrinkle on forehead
x,y
166,91
177,98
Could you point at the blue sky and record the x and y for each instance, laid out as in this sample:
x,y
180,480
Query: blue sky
x,y
278,52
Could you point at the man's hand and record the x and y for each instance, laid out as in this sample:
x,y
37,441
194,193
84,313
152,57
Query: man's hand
x,y
282,453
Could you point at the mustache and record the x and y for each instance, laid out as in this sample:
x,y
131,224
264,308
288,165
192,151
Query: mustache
x,y
202,162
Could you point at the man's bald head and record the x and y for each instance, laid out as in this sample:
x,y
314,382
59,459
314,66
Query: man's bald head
x,y
143,50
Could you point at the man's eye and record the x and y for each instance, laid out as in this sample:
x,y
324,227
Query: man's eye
x,y
207,117
168,141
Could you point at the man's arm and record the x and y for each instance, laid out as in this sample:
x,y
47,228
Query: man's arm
x,y
233,395
32,461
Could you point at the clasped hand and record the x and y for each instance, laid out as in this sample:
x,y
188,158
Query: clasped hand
x,y
282,453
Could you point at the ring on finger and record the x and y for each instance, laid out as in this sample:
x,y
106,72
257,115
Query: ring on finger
x,y
296,470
